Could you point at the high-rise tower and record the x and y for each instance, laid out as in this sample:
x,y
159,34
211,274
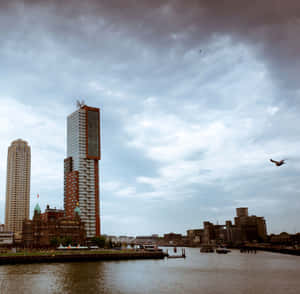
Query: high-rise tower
x,y
17,185
81,167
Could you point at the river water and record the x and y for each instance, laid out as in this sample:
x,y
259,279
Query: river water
x,y
207,273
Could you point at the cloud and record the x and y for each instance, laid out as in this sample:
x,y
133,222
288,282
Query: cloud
x,y
195,96
43,131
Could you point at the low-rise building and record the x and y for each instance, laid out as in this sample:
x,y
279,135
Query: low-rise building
x,y
172,238
195,236
6,238
126,239
50,228
146,239
285,239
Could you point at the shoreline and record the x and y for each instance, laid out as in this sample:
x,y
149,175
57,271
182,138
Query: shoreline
x,y
295,252
77,257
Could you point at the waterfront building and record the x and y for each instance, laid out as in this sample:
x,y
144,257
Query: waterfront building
x,y
146,239
126,239
208,233
195,236
172,238
113,239
245,229
285,238
51,226
81,167
17,186
250,227
6,238
282,239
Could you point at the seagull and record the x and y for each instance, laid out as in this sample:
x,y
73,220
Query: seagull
x,y
278,163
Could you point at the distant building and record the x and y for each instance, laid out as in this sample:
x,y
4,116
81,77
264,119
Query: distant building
x,y
172,238
195,236
45,228
17,186
126,239
245,229
251,228
81,167
113,239
285,239
242,212
146,239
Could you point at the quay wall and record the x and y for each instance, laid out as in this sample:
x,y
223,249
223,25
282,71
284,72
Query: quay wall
x,y
77,257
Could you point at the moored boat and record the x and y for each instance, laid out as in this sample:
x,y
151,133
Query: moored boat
x,y
207,249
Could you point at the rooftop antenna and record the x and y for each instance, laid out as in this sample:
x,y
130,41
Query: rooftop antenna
x,y
80,104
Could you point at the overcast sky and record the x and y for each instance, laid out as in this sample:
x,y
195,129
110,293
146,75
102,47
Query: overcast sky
x,y
195,97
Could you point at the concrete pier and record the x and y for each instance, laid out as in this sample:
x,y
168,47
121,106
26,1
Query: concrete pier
x,y
78,257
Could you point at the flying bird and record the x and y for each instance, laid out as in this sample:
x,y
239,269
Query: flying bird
x,y
278,163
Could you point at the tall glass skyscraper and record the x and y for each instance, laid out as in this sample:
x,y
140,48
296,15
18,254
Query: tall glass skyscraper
x,y
17,186
81,167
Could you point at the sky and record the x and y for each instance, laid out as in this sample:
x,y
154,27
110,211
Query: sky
x,y
195,96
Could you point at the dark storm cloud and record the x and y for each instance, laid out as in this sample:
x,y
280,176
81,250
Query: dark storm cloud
x,y
270,26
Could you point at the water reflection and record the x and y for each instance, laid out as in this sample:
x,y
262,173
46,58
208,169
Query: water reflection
x,y
233,273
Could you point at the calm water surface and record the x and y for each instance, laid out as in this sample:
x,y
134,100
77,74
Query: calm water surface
x,y
210,273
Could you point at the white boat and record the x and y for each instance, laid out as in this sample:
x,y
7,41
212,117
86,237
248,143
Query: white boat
x,y
150,247
207,249
78,247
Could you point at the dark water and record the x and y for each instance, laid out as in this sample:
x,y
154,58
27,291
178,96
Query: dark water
x,y
210,273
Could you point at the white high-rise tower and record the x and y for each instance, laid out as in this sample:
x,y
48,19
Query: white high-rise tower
x,y
17,185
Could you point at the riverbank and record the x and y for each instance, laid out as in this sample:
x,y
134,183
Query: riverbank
x,y
277,250
58,256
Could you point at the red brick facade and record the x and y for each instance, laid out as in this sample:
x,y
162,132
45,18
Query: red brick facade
x,y
72,192
51,213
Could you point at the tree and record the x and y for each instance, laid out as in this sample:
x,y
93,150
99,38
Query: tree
x,y
67,240
110,244
55,241
99,241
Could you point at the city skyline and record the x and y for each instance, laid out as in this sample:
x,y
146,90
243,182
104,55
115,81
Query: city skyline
x,y
192,108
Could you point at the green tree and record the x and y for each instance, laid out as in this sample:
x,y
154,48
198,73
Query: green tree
x,y
110,244
67,241
99,241
55,241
